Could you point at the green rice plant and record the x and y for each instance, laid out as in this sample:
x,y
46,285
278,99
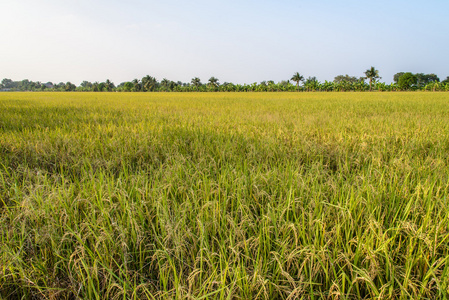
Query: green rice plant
x,y
224,195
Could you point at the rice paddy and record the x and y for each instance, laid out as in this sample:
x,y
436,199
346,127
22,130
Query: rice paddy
x,y
224,195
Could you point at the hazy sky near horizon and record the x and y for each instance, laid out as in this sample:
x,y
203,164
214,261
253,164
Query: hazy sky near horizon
x,y
236,41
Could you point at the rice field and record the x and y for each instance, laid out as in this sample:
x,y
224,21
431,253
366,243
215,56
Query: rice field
x,y
224,195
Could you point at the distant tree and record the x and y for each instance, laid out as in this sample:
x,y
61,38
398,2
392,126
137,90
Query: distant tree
x,y
8,83
108,85
5,82
128,86
432,78
397,75
149,83
60,86
95,86
101,87
421,78
24,85
310,79
68,87
35,85
165,84
196,82
424,79
169,85
48,85
137,87
372,74
297,78
328,86
345,78
271,86
253,87
311,83
86,84
407,81
213,82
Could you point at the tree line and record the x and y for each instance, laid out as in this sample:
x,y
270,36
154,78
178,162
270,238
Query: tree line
x,y
403,81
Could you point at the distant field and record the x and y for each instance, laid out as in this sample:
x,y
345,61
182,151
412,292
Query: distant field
x,y
224,195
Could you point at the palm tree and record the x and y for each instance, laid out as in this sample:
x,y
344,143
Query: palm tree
x,y
213,82
109,85
149,83
196,82
310,83
372,74
136,85
297,78
165,83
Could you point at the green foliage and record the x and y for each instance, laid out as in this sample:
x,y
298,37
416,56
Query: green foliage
x,y
86,85
297,78
8,84
372,74
396,76
341,83
196,82
424,79
149,84
407,81
137,86
128,86
213,83
421,79
168,85
346,78
69,87
108,86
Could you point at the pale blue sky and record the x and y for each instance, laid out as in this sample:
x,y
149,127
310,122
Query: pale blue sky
x,y
236,41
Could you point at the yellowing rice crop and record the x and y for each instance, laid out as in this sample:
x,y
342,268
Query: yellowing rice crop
x,y
224,195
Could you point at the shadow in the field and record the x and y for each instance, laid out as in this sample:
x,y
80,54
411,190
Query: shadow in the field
x,y
19,118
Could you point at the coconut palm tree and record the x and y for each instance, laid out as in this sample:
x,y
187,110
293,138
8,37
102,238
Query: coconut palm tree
x,y
136,85
165,83
372,74
109,85
149,83
196,82
297,78
213,82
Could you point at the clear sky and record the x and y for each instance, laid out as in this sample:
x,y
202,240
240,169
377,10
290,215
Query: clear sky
x,y
240,41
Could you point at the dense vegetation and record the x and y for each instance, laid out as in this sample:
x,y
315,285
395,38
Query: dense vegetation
x,y
224,196
342,83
